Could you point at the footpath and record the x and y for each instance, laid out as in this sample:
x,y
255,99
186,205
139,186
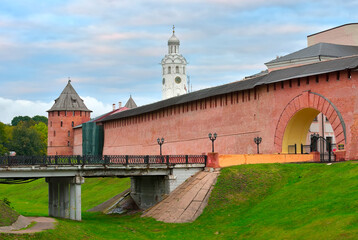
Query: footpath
x,y
186,202
41,223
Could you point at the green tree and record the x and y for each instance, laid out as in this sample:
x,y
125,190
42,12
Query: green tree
x,y
39,119
41,128
16,120
3,140
27,140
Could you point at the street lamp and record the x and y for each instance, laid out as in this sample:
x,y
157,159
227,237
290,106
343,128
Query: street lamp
x,y
258,140
212,137
160,142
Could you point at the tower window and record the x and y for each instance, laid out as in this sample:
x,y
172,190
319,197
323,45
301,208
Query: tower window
x,y
72,124
51,124
349,74
58,113
54,133
299,82
317,79
68,143
169,70
61,123
177,69
73,113
65,113
338,75
69,133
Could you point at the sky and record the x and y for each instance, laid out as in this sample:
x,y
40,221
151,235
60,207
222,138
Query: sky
x,y
112,49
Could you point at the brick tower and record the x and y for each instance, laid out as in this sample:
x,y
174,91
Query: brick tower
x,y
67,112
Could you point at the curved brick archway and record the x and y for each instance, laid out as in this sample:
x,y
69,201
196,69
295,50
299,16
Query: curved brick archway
x,y
312,100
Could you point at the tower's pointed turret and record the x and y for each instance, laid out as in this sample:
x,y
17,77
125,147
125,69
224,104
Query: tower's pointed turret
x,y
130,103
68,111
69,101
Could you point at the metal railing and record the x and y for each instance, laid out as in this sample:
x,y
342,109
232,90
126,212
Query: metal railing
x,y
105,160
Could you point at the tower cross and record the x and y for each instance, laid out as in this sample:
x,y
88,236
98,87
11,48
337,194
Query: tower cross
x,y
173,29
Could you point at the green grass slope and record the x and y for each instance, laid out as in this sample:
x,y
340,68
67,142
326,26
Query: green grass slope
x,y
263,201
7,215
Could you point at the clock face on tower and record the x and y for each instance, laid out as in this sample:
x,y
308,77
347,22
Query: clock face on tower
x,y
178,80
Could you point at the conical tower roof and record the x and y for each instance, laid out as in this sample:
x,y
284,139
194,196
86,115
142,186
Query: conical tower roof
x,y
69,101
130,103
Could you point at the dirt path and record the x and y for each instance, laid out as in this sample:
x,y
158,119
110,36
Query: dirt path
x,y
187,202
42,223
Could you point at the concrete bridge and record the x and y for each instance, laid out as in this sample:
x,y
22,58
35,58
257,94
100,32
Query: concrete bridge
x,y
151,176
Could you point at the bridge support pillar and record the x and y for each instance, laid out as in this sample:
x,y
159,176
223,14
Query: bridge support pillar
x,y
64,197
147,191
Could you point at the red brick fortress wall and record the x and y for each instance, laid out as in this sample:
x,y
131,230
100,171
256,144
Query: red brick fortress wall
x,y
237,118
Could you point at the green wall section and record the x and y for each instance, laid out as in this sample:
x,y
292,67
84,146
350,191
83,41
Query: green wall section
x,y
92,139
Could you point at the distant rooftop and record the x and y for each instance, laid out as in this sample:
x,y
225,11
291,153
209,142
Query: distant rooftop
x,y
69,101
318,50
130,103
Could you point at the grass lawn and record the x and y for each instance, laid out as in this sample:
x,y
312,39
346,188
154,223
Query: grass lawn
x,y
263,201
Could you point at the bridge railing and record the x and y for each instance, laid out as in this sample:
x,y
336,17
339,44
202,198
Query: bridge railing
x,y
105,160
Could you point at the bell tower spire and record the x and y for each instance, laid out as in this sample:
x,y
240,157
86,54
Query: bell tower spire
x,y
174,72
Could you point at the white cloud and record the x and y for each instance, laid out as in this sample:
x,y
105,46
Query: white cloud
x,y
12,108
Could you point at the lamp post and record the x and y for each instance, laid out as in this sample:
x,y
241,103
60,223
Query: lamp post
x,y
212,137
258,140
160,142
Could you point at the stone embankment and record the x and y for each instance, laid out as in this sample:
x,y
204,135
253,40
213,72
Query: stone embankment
x,y
186,202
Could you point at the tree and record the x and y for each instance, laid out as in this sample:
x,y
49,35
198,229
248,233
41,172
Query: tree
x,y
39,119
41,128
16,120
27,140
3,140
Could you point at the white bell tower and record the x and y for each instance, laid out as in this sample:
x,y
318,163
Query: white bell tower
x,y
174,81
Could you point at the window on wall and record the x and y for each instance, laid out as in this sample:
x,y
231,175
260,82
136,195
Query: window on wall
x,y
54,133
68,143
327,77
72,124
349,74
338,75
51,124
183,70
69,133
58,113
73,113
169,70
61,123
65,113
177,69
81,114
299,82
317,79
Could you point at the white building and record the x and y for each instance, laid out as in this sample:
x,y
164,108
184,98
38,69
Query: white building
x,y
174,82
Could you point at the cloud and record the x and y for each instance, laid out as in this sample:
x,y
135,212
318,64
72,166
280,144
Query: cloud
x,y
12,108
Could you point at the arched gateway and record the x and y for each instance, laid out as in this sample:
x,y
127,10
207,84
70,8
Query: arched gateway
x,y
297,116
